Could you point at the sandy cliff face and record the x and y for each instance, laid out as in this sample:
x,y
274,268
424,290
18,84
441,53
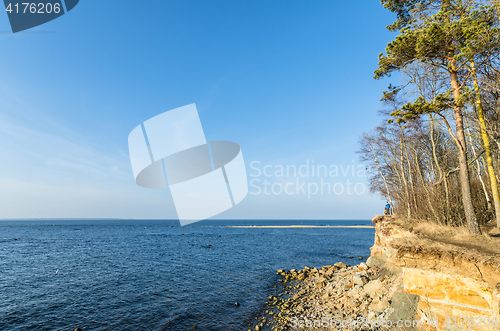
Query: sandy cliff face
x,y
458,287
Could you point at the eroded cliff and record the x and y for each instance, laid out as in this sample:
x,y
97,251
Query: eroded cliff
x,y
457,282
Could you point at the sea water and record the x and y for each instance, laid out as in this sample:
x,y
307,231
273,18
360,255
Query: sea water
x,y
155,274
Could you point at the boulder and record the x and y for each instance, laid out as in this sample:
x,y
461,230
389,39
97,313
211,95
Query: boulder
x,y
356,280
340,265
362,266
321,283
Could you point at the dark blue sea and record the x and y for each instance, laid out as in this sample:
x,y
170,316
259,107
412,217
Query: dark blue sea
x,y
155,274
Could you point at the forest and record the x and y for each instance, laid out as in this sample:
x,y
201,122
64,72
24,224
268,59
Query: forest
x,y
436,155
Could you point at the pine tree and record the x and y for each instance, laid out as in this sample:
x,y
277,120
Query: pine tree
x,y
446,34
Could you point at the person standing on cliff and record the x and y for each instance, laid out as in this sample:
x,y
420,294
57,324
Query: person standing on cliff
x,y
387,210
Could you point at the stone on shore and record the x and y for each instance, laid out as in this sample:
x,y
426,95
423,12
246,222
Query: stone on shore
x,y
362,266
337,292
340,265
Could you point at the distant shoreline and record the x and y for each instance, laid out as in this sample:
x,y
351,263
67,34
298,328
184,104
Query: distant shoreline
x,y
300,226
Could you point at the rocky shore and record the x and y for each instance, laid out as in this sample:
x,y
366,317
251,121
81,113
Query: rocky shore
x,y
418,276
337,297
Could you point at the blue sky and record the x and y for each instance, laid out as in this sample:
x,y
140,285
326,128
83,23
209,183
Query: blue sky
x,y
290,81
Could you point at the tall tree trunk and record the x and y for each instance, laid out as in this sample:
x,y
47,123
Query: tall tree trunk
x,y
410,184
470,215
487,147
426,188
440,171
405,182
478,165
375,159
447,195
402,184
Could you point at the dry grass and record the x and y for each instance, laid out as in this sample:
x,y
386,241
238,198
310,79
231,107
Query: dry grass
x,y
441,247
488,241
434,229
